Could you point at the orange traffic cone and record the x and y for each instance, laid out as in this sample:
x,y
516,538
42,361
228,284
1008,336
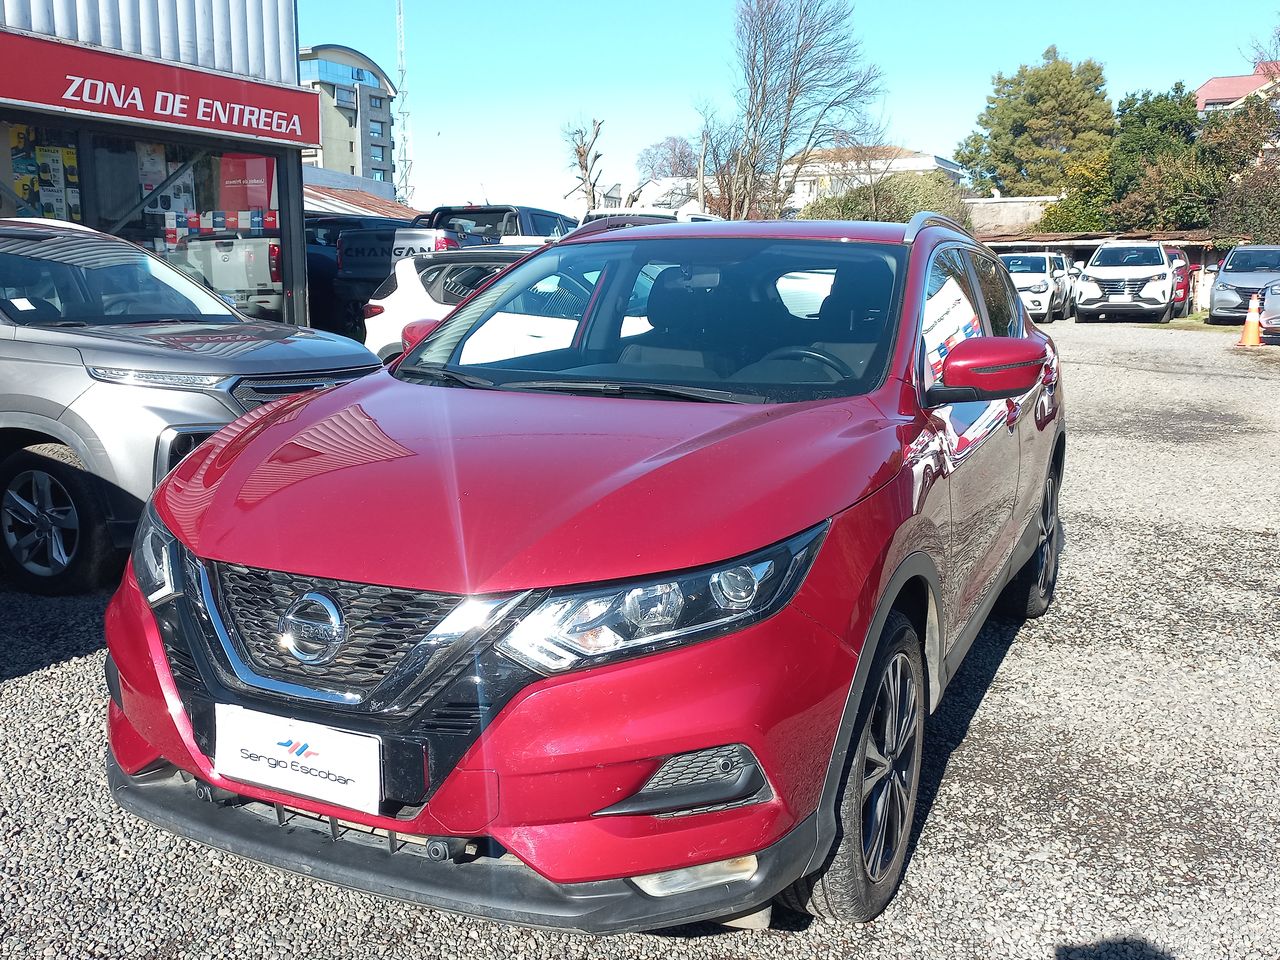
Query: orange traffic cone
x,y
1251,335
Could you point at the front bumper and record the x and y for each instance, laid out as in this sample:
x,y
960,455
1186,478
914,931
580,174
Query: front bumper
x,y
504,890
535,781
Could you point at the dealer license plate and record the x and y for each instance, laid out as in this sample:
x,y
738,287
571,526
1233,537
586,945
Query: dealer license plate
x,y
1120,298
294,756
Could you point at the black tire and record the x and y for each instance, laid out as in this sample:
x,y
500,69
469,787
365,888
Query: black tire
x,y
1184,308
83,558
845,888
1030,593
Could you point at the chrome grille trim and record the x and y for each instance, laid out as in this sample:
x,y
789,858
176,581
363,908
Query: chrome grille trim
x,y
253,391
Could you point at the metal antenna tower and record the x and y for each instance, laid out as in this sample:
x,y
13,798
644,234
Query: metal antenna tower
x,y
404,189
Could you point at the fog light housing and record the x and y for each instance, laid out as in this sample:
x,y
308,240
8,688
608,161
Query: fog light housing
x,y
688,879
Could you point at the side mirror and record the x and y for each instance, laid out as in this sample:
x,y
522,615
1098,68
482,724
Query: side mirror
x,y
988,368
417,331
1079,265
1213,267
1058,274
1178,263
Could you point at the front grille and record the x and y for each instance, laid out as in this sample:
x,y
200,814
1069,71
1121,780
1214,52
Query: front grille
x,y
1112,286
252,392
1246,293
383,624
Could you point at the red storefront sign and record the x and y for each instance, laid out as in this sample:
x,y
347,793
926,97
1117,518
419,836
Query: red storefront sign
x,y
68,77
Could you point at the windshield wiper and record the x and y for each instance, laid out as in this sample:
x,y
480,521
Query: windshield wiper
x,y
619,388
442,374
59,323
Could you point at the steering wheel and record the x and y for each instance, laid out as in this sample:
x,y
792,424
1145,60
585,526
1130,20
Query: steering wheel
x,y
812,353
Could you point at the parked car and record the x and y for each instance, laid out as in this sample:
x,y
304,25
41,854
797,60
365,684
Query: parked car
x,y
427,287
324,310
1181,280
619,628
1246,271
1043,283
114,366
1127,279
660,213
366,257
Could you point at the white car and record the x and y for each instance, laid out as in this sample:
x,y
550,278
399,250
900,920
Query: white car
x,y
428,287
660,213
1043,283
1127,279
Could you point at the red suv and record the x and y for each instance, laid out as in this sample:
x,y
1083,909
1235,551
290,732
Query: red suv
x,y
620,600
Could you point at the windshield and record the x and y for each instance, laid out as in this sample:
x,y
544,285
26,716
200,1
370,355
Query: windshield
x,y
765,319
1245,260
87,279
1017,263
1127,257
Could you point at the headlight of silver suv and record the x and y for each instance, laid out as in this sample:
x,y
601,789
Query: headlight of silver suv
x,y
1222,285
155,557
586,627
156,378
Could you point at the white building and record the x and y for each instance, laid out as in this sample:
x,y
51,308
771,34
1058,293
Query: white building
x,y
838,170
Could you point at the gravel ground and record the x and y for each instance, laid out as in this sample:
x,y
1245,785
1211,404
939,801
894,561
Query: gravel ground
x,y
1100,783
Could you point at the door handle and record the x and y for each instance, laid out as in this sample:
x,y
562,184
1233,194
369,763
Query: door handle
x,y
1013,411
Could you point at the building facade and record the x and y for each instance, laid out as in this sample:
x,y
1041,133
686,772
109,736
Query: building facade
x,y
837,170
355,112
179,126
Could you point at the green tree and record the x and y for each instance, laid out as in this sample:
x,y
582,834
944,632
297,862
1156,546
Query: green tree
x,y
1250,205
1035,123
1087,203
896,199
1174,192
1151,126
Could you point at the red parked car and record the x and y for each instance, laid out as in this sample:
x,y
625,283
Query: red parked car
x,y
1181,281
620,600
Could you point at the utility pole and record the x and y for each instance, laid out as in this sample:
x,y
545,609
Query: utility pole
x,y
404,166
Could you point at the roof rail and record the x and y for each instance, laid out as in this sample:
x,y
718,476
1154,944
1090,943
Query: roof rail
x,y
927,218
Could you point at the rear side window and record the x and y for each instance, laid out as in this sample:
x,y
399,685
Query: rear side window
x,y
386,288
1001,301
950,312
463,281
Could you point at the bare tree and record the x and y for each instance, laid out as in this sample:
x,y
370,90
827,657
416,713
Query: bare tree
x,y
669,157
805,83
586,159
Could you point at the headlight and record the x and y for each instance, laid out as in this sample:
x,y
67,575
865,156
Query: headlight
x,y
154,378
1158,277
580,628
155,557
1274,289
1040,287
1220,285
1085,278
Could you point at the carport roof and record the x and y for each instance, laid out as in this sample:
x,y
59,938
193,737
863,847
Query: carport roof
x,y
317,199
1193,238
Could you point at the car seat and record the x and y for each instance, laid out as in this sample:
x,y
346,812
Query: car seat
x,y
681,316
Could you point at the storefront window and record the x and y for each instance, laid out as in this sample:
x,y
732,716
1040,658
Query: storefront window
x,y
39,172
213,215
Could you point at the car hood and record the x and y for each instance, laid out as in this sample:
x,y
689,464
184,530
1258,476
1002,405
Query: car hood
x,y
1249,278
230,348
474,491
1127,271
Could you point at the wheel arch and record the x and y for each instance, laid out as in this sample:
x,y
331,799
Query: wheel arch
x,y
913,589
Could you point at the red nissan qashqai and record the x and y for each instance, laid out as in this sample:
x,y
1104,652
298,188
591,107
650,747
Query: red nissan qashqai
x,y
620,600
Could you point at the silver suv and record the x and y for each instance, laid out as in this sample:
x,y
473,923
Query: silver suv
x,y
113,367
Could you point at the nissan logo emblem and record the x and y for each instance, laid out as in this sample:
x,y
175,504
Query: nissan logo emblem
x,y
312,629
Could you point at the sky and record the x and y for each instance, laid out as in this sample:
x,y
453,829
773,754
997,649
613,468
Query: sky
x,y
492,83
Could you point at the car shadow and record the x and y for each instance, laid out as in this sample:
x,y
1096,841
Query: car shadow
x,y
38,632
1128,948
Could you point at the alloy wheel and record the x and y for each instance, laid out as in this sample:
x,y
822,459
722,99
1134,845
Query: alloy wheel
x,y
892,755
1050,539
39,523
